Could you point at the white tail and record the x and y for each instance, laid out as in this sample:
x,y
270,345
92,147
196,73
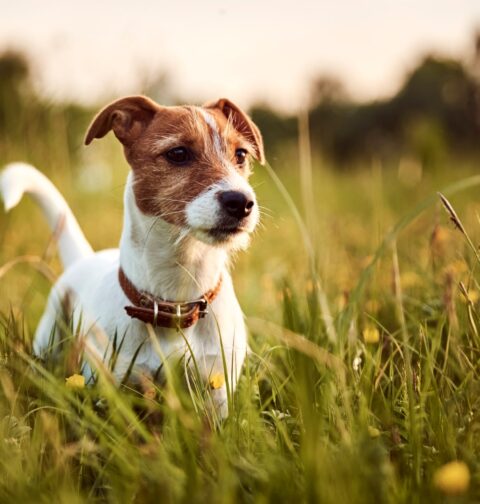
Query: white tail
x,y
20,178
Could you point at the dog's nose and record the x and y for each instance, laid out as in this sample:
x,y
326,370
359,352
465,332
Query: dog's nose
x,y
237,204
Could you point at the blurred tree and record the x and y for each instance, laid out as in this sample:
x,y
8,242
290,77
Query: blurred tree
x,y
31,128
329,108
476,53
444,91
277,130
327,89
14,87
14,71
437,105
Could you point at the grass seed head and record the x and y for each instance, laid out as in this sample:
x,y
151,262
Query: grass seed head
x,y
453,215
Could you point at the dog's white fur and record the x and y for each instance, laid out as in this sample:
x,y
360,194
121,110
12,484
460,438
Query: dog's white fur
x,y
162,262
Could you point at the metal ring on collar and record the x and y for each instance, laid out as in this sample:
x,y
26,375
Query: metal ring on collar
x,y
155,313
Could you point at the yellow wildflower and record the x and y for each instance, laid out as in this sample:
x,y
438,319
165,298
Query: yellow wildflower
x,y
410,279
371,335
75,381
473,297
452,478
217,380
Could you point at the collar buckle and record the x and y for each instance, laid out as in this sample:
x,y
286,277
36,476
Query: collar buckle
x,y
203,307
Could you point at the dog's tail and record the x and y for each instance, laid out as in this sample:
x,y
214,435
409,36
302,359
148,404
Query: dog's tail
x,y
20,178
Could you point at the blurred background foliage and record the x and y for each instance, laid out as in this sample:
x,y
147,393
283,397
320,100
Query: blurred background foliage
x,y
435,111
434,114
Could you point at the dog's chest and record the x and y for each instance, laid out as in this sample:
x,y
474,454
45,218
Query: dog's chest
x,y
151,349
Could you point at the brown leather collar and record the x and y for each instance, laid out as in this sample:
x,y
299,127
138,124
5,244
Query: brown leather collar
x,y
161,313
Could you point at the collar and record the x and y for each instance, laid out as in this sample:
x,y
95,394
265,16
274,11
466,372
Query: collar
x,y
161,313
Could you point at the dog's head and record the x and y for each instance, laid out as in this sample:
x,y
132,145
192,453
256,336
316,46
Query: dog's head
x,y
190,164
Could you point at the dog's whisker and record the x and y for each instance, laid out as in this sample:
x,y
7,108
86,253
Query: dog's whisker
x,y
265,209
148,233
204,185
161,198
157,218
182,235
173,200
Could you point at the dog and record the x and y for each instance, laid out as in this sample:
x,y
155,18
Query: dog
x,y
166,292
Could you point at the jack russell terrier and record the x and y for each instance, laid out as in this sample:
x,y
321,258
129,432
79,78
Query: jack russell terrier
x,y
166,292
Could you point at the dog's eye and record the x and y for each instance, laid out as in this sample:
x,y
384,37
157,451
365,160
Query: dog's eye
x,y
240,156
178,155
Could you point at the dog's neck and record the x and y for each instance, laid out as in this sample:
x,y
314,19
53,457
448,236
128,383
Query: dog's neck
x,y
158,259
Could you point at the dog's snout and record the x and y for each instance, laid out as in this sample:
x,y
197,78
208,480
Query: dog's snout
x,y
236,203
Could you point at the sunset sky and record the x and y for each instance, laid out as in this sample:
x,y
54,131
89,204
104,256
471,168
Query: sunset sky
x,y
247,50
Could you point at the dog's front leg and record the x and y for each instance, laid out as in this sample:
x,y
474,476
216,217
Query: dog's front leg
x,y
218,379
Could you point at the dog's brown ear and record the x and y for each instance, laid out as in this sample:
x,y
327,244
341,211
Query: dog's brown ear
x,y
243,124
127,117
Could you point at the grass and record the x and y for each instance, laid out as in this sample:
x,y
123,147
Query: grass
x,y
362,303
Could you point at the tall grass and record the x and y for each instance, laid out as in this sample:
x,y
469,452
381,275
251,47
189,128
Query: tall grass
x,y
363,379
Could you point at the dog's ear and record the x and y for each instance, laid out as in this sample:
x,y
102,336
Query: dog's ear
x,y
127,117
242,123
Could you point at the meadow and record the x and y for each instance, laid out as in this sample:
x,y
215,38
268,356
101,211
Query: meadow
x,y
361,297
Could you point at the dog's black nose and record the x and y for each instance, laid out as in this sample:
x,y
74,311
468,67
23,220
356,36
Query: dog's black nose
x,y
236,203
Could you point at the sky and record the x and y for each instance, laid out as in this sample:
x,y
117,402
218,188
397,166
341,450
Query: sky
x,y
247,50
